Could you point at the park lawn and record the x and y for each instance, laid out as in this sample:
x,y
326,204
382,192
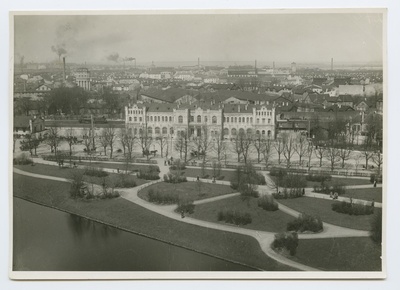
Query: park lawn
x,y
340,254
342,180
126,215
76,124
262,220
65,172
369,194
323,208
194,172
188,190
117,165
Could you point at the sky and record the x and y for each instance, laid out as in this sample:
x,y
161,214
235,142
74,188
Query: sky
x,y
302,38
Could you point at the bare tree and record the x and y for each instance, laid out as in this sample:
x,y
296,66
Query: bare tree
x,y
344,154
378,160
301,147
87,140
53,139
332,154
245,144
145,140
357,160
279,147
104,141
219,147
237,148
309,154
182,145
163,142
29,143
266,150
258,143
288,148
121,136
71,139
320,153
111,137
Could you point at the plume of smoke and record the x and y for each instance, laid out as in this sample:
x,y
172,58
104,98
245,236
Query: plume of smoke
x,y
113,57
64,38
59,50
129,58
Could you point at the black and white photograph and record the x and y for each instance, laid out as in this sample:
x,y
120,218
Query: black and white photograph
x,y
198,144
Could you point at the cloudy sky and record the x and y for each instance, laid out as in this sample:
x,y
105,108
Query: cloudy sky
x,y
302,38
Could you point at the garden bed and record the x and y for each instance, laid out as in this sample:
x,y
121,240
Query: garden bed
x,y
187,190
323,209
263,220
369,194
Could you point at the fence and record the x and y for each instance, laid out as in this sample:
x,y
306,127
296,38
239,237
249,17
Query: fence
x,y
93,158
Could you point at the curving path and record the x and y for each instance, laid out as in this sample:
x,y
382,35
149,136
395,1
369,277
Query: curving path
x,y
265,239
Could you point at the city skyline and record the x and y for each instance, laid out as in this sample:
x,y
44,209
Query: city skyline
x,y
306,38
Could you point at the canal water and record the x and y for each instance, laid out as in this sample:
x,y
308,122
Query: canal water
x,y
46,239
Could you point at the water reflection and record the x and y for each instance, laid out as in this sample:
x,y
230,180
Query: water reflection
x,y
49,240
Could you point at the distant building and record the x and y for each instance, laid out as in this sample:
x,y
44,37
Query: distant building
x,y
293,67
24,125
82,78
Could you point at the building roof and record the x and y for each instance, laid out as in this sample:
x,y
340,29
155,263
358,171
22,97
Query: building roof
x,y
345,98
21,121
169,95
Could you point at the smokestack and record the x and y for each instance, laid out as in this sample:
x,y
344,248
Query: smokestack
x,y
273,66
64,76
332,63
198,62
255,66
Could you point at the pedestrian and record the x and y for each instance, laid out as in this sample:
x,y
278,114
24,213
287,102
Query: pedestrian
x,y
331,194
375,183
198,178
304,191
336,195
165,162
351,200
373,203
182,214
117,169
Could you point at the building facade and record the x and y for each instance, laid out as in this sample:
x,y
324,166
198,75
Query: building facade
x,y
82,78
198,119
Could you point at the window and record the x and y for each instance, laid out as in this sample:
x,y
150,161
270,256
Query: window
x,y
170,119
159,118
269,121
258,121
233,132
198,119
205,119
263,132
263,120
171,131
149,130
235,119
135,131
269,133
247,119
214,120
251,119
157,130
258,132
164,130
135,119
249,131
151,119
240,120
227,119
130,119
191,118
180,119
226,131
140,119
241,131
162,118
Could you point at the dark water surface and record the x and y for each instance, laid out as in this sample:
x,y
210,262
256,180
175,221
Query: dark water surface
x,y
46,239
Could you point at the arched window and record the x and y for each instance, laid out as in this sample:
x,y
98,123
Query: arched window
x,y
180,119
214,120
164,130
162,118
151,118
269,133
205,119
249,131
263,132
157,130
198,119
258,132
243,119
226,132
170,119
130,119
171,130
233,132
240,120
130,131
241,131
140,131
191,118
135,131
235,119
150,130
251,119
247,119
159,118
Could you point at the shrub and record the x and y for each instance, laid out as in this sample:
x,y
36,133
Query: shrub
x,y
267,202
260,179
174,178
287,240
221,177
119,150
376,228
162,198
149,173
279,172
374,177
289,193
98,172
319,177
126,181
205,176
185,206
304,223
234,185
77,188
23,159
328,188
352,208
178,165
234,217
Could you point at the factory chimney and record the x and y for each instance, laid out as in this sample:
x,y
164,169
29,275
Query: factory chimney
x,y
255,66
332,63
64,76
273,66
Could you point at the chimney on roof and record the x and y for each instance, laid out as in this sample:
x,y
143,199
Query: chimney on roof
x,y
332,63
239,108
64,76
245,107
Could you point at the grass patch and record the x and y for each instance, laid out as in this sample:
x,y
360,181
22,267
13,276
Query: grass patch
x,y
194,172
271,221
187,190
323,209
52,170
129,216
341,180
121,166
365,193
340,254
